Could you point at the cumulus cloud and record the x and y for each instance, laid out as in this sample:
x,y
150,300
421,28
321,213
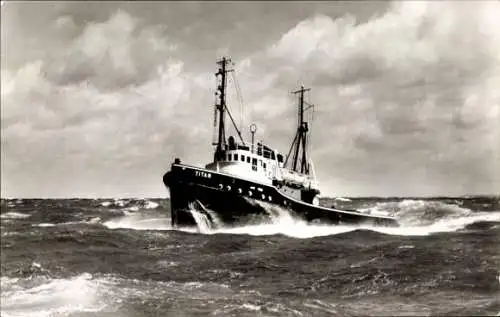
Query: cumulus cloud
x,y
110,101
406,98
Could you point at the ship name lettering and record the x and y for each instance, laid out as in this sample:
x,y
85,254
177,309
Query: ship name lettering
x,y
202,174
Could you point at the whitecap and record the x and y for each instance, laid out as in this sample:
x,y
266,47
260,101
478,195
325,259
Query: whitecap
x,y
48,297
43,225
14,215
411,215
151,205
251,307
138,222
342,199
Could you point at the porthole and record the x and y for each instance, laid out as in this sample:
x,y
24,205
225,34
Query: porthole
x,y
249,193
239,191
263,197
270,198
221,186
228,188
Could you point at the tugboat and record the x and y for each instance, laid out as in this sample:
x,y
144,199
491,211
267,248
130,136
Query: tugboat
x,y
245,180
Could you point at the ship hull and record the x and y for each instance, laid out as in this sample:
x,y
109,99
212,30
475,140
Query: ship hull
x,y
228,200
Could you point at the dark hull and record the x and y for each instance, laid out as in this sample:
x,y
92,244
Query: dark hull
x,y
234,200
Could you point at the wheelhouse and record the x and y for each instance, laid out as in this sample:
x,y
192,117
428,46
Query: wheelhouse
x,y
252,162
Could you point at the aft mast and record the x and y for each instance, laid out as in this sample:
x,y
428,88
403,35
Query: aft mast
x,y
299,144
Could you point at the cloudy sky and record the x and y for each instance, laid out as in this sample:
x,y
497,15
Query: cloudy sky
x,y
98,98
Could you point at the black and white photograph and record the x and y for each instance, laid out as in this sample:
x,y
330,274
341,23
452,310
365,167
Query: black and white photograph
x,y
250,158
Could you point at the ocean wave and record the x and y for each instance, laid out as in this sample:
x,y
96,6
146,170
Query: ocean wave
x,y
42,296
342,199
420,212
139,221
416,218
151,205
14,215
94,220
130,204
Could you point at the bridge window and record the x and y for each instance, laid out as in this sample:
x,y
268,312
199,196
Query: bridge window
x,y
243,158
229,157
260,162
248,159
236,157
264,165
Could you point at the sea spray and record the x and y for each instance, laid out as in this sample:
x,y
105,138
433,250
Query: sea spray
x,y
139,221
206,219
202,221
43,296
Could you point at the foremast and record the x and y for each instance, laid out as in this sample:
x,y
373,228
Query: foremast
x,y
221,108
220,105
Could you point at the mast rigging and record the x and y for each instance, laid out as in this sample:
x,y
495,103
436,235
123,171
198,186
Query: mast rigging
x,y
221,107
299,144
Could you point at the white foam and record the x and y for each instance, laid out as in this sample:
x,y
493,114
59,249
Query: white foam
x,y
106,203
94,220
342,199
119,202
43,225
151,205
14,215
40,296
410,214
442,225
292,229
201,220
208,218
282,222
48,297
406,246
138,221
251,307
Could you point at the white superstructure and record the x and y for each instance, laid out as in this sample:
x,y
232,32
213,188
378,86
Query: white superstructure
x,y
263,165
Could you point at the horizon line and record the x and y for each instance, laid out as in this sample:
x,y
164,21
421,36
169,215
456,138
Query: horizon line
x,y
321,197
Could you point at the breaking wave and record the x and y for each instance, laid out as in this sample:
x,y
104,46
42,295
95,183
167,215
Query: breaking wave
x,y
130,204
14,215
416,217
139,221
42,296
